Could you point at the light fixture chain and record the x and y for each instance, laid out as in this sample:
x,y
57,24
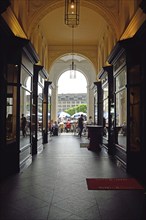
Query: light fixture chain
x,y
72,43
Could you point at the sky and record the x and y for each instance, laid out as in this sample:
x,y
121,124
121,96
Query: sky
x,y
68,85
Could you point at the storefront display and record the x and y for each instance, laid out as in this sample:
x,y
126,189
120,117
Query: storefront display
x,y
37,113
127,97
106,77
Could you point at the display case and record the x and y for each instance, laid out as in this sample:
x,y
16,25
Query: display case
x,y
127,97
46,110
11,109
16,95
106,77
98,104
37,114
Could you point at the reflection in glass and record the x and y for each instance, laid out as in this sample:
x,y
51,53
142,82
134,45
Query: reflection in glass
x,y
25,78
121,80
134,118
105,114
105,111
95,110
12,73
105,92
28,83
11,108
40,117
41,80
40,91
112,112
25,105
121,118
11,113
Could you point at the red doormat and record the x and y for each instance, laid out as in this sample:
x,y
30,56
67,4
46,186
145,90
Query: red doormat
x,y
113,184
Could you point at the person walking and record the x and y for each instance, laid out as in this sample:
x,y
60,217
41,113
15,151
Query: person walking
x,y
23,125
80,124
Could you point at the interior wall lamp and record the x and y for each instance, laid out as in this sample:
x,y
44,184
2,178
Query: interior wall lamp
x,y
72,12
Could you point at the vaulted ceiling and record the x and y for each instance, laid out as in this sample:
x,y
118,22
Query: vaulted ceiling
x,y
102,23
96,16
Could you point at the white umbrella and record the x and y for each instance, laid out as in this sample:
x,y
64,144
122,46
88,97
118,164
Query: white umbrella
x,y
64,115
78,114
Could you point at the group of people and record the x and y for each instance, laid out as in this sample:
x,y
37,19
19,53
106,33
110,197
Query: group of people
x,y
53,127
80,125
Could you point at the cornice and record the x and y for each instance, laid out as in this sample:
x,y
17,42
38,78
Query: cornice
x,y
13,23
134,25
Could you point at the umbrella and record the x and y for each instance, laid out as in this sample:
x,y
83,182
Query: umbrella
x,y
63,115
78,114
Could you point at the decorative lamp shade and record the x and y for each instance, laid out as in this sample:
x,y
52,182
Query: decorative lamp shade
x,y
72,12
72,70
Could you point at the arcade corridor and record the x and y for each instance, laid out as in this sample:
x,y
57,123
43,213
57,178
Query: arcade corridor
x,y
37,44
54,187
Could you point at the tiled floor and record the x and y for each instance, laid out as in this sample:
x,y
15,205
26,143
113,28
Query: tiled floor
x,y
54,187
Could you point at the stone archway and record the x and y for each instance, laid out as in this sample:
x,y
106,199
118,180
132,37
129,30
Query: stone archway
x,y
85,67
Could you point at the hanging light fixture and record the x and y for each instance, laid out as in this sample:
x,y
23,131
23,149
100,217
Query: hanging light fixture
x,y
72,20
72,12
72,66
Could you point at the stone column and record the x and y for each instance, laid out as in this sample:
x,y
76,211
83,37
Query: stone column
x,y
54,103
90,102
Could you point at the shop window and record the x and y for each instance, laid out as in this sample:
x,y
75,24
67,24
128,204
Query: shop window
x,y
25,107
25,78
11,108
10,119
41,80
105,104
40,117
121,80
121,117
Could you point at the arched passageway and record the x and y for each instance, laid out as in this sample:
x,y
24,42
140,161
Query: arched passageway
x,y
85,67
72,99
68,83
72,84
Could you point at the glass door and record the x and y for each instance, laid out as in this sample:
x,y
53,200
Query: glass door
x,y
25,109
11,109
25,117
12,127
95,108
105,114
121,110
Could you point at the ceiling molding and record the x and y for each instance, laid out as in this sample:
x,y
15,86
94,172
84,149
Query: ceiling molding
x,y
134,25
13,23
41,10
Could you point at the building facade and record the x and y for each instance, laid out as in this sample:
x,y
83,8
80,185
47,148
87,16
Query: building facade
x,y
66,101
